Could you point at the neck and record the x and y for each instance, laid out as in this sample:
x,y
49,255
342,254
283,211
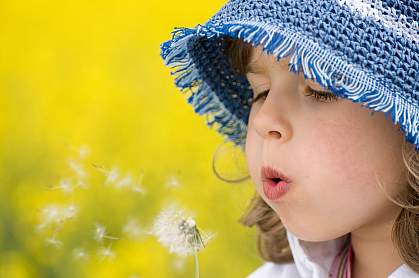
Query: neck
x,y
374,252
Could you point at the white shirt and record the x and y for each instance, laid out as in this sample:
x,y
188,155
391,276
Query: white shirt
x,y
313,260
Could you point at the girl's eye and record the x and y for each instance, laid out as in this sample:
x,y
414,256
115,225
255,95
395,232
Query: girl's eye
x,y
263,94
319,96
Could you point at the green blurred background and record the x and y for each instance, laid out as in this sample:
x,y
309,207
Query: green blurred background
x,y
84,91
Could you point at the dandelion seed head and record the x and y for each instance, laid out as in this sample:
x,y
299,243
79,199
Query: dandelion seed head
x,y
177,231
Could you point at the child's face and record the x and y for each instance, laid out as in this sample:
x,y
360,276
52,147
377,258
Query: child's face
x,y
330,150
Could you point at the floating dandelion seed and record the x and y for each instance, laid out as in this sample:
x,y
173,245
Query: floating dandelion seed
x,y
79,254
49,214
54,242
69,211
100,233
138,186
106,252
126,181
81,183
56,214
77,168
83,151
112,175
179,232
65,186
139,189
172,182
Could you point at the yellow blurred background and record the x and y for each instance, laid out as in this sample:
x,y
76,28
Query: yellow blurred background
x,y
88,109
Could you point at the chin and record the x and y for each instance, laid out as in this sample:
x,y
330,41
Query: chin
x,y
314,235
311,233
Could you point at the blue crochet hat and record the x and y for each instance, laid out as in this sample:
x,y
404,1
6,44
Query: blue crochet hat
x,y
363,50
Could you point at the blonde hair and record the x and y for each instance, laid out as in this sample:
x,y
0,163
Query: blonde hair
x,y
272,241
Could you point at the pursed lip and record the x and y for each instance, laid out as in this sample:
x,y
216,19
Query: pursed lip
x,y
268,173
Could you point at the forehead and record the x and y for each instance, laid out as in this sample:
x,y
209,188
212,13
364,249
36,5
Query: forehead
x,y
260,62
259,59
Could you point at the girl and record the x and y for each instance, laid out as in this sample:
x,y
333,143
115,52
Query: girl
x,y
296,84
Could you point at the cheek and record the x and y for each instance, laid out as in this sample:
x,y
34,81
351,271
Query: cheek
x,y
336,150
347,158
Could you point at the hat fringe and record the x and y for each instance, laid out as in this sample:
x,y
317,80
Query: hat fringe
x,y
317,63
201,96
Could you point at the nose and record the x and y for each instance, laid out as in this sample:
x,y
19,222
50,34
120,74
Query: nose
x,y
271,120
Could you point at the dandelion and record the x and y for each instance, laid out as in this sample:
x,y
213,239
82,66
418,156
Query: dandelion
x,y
100,233
179,232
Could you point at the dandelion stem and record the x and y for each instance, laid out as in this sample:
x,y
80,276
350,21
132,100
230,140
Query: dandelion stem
x,y
196,264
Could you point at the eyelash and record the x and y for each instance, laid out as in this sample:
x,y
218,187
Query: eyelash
x,y
318,95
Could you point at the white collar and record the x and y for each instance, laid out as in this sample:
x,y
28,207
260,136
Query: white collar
x,y
314,259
